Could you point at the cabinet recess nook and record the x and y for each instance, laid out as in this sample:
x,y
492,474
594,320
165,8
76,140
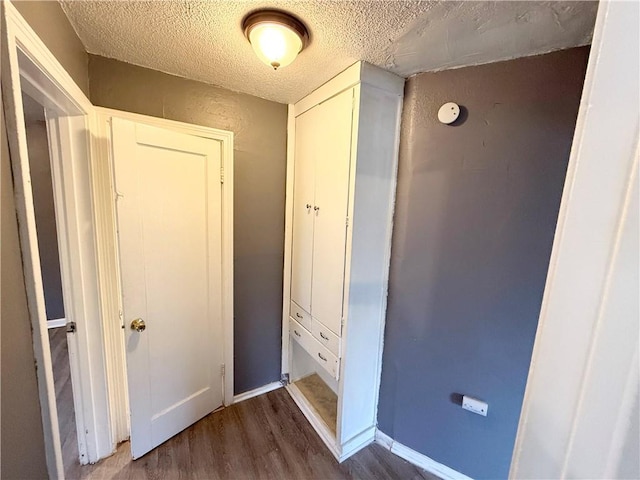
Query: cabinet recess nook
x,y
343,157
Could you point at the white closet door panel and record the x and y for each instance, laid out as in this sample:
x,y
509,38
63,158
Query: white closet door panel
x,y
169,231
332,196
303,201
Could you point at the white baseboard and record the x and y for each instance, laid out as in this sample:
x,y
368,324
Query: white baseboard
x,y
56,323
383,439
418,459
357,443
256,391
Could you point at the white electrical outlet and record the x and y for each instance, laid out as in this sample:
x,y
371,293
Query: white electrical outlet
x,y
474,405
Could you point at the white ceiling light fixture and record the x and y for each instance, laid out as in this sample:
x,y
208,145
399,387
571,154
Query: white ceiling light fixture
x,y
276,37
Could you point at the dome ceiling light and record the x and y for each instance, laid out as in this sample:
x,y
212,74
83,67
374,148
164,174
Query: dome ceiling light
x,y
275,36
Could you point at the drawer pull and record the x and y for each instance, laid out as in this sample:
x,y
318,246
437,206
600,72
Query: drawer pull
x,y
323,336
322,357
298,315
296,332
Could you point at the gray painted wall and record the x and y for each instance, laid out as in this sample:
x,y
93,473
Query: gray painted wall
x,y
260,169
42,188
52,26
22,448
477,205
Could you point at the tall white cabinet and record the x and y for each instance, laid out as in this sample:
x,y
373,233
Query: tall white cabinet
x,y
343,157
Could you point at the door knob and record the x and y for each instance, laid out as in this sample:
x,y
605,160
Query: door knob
x,y
138,325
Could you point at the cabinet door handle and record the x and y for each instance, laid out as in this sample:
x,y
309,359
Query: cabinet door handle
x,y
323,336
321,357
296,332
317,209
298,315
308,205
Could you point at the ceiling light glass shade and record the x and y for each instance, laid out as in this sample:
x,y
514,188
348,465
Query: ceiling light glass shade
x,y
276,37
274,44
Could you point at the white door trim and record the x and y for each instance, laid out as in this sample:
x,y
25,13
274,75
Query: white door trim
x,y
114,338
24,55
583,377
288,236
109,277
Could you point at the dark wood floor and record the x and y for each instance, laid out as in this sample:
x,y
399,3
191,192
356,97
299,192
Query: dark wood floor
x,y
64,396
266,437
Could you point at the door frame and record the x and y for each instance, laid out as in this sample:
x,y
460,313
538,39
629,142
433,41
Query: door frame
x,y
105,195
590,303
30,66
98,365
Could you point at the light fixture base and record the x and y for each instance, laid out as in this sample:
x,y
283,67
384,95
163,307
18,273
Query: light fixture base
x,y
278,17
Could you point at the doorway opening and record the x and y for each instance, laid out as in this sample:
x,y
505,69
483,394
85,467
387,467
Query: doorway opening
x,y
37,135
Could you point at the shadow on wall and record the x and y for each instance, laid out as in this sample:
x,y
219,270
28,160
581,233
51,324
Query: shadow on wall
x,y
476,210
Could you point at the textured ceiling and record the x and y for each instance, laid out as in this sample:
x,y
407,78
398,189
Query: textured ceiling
x,y
204,41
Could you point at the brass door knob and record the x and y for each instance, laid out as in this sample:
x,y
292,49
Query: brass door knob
x,y
138,325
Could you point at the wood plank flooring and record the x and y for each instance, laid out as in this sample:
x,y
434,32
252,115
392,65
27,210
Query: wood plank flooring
x,y
64,396
266,437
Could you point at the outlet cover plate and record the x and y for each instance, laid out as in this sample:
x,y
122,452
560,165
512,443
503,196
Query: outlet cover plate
x,y
474,405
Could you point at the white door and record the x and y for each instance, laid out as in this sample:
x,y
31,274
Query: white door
x,y
169,235
332,199
303,208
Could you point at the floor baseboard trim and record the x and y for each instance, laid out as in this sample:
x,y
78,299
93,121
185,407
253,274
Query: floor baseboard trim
x,y
418,459
358,442
56,323
256,391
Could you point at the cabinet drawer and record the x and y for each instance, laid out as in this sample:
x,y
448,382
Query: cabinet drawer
x,y
318,352
300,335
325,358
300,316
326,337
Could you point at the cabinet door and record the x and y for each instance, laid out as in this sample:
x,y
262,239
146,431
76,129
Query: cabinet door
x,y
303,201
333,156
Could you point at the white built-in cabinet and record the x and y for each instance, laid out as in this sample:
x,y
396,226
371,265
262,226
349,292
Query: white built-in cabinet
x,y
321,198
343,157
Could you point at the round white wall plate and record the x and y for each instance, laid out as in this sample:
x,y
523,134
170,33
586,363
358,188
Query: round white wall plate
x,y
448,113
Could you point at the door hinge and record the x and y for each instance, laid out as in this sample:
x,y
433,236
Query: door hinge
x,y
347,221
71,327
284,379
222,370
341,326
221,174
